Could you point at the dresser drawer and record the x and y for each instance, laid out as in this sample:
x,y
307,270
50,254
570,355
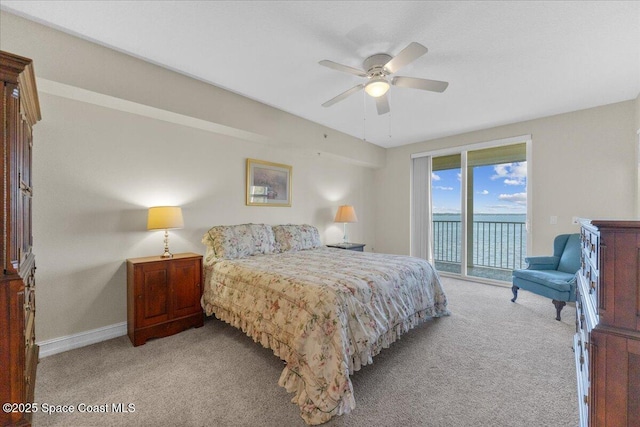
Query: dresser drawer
x,y
582,363
591,246
581,339
30,331
590,264
581,353
582,375
588,315
582,326
590,282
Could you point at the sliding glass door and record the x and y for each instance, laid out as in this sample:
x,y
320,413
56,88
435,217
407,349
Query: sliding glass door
x,y
477,216
446,212
497,211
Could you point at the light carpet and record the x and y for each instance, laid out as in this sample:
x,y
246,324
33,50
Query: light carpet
x,y
491,363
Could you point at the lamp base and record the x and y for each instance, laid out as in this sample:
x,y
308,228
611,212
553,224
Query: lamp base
x,y
166,253
345,238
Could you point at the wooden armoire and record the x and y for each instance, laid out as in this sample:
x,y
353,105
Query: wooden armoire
x,y
20,111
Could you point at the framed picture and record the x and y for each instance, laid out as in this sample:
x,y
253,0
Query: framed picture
x,y
268,184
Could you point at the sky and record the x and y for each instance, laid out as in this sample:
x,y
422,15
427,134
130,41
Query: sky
x,y
497,189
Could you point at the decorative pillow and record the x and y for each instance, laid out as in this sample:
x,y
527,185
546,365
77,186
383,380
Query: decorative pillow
x,y
292,237
239,241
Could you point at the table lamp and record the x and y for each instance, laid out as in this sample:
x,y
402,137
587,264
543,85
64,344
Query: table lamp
x,y
346,214
164,218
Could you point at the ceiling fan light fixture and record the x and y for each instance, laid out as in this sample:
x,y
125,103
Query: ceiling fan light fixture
x,y
377,87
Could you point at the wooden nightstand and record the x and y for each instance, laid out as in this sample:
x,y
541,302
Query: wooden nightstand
x,y
163,296
359,247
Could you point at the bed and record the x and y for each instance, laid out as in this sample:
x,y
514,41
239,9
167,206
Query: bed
x,y
326,312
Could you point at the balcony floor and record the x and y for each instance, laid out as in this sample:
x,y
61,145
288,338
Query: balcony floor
x,y
499,274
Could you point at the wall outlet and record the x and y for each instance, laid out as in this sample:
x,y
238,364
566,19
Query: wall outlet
x,y
553,219
574,220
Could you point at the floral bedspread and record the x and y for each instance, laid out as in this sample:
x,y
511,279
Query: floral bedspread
x,y
325,312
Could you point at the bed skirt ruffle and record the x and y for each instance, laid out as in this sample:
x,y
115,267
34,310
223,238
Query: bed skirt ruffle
x,y
293,377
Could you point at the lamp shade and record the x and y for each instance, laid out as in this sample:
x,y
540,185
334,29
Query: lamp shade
x,y
164,217
346,213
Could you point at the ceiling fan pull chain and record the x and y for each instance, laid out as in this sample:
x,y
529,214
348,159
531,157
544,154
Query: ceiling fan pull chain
x,y
364,117
390,116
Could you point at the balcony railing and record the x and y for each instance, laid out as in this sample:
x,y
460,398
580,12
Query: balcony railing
x,y
495,244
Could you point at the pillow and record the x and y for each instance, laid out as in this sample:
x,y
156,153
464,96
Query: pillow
x,y
296,237
239,241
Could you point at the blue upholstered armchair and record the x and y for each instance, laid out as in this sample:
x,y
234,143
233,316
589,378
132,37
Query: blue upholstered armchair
x,y
552,276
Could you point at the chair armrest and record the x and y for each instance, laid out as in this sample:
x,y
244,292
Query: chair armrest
x,y
542,262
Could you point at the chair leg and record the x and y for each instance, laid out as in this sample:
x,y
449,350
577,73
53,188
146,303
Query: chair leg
x,y
514,289
559,305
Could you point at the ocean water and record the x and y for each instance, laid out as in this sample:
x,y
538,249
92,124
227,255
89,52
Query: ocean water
x,y
505,217
499,240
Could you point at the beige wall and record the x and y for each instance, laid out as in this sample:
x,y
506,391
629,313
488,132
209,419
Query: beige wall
x,y
583,165
100,161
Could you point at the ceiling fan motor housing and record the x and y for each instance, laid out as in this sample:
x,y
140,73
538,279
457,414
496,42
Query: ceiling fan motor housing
x,y
375,64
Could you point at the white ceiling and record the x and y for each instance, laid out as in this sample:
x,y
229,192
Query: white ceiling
x,y
505,61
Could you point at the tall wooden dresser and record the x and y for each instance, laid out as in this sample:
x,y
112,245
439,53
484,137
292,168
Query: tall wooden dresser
x,y
607,340
19,110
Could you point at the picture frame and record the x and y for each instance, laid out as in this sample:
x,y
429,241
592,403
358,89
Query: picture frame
x,y
268,184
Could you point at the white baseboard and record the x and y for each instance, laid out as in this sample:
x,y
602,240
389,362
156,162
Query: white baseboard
x,y
69,342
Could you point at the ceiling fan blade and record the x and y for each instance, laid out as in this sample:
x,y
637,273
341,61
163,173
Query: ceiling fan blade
x,y
424,84
343,68
405,57
382,104
343,95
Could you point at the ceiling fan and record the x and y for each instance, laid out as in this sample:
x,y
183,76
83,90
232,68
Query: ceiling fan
x,y
378,67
